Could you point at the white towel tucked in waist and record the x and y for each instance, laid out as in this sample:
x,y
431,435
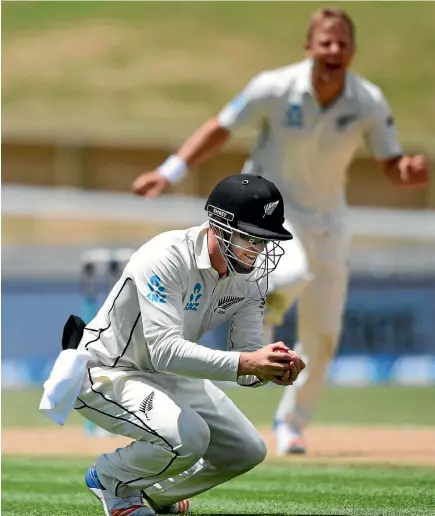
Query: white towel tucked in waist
x,y
64,384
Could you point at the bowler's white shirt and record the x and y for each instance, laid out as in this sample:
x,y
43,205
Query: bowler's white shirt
x,y
304,149
168,296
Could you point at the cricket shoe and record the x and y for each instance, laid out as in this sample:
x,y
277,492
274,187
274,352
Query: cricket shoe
x,y
180,507
112,505
289,440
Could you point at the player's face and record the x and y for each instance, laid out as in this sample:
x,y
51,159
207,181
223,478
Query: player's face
x,y
332,49
246,249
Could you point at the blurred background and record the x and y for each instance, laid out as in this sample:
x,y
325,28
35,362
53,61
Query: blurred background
x,y
95,92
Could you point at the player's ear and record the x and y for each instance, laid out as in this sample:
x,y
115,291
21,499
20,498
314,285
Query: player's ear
x,y
307,48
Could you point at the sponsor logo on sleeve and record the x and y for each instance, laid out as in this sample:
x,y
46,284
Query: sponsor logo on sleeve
x,y
294,116
156,290
238,103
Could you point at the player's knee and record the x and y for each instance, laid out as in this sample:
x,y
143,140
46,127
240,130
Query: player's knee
x,y
244,454
253,452
194,437
257,451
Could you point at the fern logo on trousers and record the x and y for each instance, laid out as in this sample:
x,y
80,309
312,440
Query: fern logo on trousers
x,y
147,404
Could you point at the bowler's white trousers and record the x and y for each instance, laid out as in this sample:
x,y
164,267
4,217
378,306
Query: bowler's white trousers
x,y
188,435
314,271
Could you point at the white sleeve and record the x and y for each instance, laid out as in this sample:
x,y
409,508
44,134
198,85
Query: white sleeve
x,y
159,283
246,335
381,134
252,103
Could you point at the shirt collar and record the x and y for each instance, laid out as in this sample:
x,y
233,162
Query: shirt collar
x,y
202,256
303,82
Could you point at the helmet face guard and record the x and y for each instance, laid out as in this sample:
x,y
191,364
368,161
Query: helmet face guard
x,y
258,257
246,215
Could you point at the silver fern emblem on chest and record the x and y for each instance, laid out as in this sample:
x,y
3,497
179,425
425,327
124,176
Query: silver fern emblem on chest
x,y
270,208
227,301
147,404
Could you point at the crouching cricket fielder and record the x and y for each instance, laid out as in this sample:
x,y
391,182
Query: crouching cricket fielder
x,y
145,376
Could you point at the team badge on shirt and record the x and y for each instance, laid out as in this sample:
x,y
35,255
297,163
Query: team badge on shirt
x,y
343,121
225,302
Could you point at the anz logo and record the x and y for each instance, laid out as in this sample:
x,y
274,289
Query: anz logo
x,y
194,298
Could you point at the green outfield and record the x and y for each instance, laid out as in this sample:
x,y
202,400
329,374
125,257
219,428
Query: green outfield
x,y
55,487
43,486
377,405
159,68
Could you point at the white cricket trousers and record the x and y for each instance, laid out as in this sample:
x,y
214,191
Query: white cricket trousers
x,y
321,302
188,435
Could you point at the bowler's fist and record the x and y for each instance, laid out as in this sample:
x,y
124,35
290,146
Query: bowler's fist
x,y
414,171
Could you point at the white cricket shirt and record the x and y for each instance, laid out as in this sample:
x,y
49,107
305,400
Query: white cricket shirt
x,y
305,149
167,297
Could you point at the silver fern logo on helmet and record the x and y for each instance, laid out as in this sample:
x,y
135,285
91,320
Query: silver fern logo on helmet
x,y
270,208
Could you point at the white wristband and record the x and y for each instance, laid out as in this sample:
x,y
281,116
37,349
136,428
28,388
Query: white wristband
x,y
173,169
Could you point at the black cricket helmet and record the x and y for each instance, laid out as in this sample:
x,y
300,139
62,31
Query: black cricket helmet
x,y
246,211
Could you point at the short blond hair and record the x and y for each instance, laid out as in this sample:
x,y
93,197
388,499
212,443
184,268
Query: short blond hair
x,y
329,13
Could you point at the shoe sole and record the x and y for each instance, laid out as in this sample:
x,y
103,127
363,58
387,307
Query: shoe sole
x,y
292,448
100,497
295,450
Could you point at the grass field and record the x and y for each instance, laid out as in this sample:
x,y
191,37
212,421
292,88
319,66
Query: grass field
x,y
42,486
55,487
379,405
160,68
